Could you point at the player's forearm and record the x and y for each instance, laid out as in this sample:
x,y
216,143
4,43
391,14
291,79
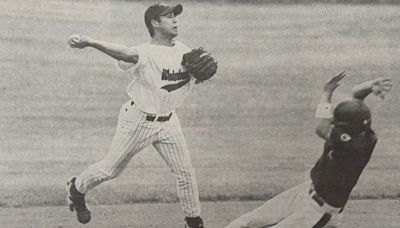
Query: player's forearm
x,y
116,51
362,90
326,97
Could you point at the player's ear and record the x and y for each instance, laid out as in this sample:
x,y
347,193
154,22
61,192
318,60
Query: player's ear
x,y
154,23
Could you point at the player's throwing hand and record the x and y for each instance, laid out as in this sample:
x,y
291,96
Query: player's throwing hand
x,y
78,41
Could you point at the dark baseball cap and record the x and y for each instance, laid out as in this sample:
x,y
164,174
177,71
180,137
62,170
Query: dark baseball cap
x,y
161,9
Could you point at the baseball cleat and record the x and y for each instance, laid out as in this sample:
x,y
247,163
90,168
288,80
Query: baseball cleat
x,y
76,201
195,222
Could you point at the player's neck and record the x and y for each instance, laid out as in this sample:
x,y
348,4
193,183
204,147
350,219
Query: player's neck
x,y
163,41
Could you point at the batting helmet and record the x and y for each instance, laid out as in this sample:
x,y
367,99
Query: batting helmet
x,y
352,116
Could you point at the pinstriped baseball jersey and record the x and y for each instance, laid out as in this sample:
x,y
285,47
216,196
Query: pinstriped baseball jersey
x,y
160,83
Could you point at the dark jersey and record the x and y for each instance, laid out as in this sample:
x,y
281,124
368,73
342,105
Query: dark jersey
x,y
337,171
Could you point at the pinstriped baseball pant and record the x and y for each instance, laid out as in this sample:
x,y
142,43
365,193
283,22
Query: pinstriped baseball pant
x,y
133,134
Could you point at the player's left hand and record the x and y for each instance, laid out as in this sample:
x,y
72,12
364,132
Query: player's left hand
x,y
381,86
333,83
200,64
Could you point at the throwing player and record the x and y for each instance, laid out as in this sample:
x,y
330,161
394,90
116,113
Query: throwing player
x,y
160,84
349,144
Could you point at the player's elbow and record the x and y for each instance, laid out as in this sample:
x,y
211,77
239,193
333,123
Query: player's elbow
x,y
129,56
357,94
323,128
321,132
132,59
318,132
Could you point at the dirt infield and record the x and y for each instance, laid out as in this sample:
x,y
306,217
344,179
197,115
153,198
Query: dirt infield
x,y
359,213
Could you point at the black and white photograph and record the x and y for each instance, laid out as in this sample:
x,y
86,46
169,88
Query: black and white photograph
x,y
200,114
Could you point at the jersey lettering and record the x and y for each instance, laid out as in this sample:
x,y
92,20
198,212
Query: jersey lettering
x,y
182,77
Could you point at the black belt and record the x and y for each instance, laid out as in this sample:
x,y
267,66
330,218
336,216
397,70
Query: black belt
x,y
320,201
323,221
317,198
160,118
153,117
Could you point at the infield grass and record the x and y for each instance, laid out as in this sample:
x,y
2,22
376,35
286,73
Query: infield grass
x,y
249,129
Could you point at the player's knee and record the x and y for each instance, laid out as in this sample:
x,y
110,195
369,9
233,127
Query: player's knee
x,y
185,177
109,173
240,224
185,172
247,224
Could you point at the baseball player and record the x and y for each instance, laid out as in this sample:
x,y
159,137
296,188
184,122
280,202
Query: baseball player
x,y
160,84
349,142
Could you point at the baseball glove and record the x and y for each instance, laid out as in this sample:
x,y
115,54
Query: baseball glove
x,y
200,64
